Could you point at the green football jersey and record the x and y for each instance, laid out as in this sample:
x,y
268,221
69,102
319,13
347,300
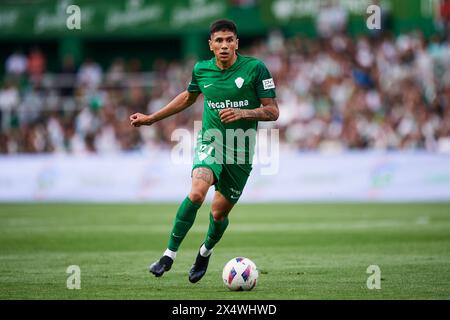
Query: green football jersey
x,y
240,86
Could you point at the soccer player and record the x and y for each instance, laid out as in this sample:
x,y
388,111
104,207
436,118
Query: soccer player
x,y
238,92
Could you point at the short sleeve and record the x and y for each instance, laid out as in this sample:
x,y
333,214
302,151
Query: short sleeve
x,y
193,85
265,86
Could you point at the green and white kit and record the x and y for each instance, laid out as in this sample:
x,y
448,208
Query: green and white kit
x,y
240,86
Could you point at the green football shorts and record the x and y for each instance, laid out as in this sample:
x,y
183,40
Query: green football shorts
x,y
229,179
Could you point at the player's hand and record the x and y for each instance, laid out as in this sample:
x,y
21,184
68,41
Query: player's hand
x,y
230,115
139,119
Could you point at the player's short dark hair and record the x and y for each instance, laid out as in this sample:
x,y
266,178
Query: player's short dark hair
x,y
223,25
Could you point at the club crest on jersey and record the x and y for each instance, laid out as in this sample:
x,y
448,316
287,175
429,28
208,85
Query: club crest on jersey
x,y
239,82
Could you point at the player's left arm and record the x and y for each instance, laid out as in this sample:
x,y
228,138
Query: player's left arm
x,y
268,111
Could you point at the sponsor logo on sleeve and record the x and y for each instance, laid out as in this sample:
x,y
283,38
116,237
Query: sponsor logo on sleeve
x,y
268,84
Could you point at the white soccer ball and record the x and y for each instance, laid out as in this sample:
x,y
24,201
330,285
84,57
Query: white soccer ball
x,y
240,273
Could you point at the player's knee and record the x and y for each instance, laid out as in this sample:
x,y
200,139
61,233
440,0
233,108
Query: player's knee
x,y
218,215
197,196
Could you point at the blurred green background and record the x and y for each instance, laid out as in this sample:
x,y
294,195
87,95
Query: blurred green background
x,y
147,29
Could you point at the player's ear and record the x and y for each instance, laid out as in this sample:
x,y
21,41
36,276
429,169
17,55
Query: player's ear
x,y
237,43
210,44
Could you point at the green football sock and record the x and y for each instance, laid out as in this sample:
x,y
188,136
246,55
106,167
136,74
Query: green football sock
x,y
183,222
215,231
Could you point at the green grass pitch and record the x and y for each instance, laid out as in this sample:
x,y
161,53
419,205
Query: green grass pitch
x,y
303,251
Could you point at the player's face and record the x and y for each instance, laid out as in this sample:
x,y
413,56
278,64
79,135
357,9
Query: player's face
x,y
224,45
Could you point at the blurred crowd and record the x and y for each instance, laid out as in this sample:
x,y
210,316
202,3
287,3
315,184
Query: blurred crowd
x,y
334,92
374,92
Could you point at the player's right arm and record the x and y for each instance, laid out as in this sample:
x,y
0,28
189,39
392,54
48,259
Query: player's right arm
x,y
178,104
